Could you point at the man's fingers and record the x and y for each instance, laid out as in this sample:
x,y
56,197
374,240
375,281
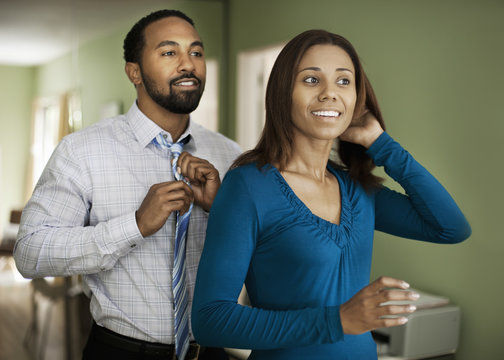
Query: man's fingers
x,y
168,186
184,193
193,168
175,205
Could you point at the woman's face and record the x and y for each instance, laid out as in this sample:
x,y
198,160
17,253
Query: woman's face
x,y
324,93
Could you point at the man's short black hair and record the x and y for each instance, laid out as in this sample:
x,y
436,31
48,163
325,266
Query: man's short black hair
x,y
135,40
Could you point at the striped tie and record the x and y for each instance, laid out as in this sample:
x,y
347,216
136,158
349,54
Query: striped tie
x,y
180,296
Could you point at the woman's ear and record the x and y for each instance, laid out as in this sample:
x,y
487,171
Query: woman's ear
x,y
133,72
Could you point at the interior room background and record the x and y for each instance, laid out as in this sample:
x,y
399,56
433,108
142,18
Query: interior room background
x,y
436,67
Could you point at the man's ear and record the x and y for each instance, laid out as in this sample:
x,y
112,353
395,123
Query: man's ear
x,y
133,72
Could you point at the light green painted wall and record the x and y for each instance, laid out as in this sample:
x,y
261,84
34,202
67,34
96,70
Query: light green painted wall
x,y
436,67
16,92
96,68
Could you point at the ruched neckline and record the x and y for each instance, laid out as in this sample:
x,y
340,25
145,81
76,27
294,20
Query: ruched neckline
x,y
340,233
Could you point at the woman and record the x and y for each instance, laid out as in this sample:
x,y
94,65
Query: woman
x,y
298,228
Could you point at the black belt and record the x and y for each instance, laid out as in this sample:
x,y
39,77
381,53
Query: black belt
x,y
111,338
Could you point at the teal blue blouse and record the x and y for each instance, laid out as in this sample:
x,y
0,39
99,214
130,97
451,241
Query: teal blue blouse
x,y
299,268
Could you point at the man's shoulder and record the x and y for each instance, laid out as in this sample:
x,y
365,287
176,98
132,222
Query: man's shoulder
x,y
100,130
214,140
205,134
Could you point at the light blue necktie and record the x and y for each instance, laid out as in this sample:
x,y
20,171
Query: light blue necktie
x,y
180,296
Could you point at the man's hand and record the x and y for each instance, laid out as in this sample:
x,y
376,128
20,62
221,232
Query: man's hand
x,y
161,200
203,176
365,310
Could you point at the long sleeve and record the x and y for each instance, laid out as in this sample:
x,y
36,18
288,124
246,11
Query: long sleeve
x,y
427,211
55,236
233,233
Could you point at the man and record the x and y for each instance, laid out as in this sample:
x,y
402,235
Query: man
x,y
107,203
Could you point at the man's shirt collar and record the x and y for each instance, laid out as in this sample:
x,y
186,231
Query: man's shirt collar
x,y
145,130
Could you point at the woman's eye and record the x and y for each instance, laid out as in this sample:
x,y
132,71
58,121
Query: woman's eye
x,y
343,82
197,53
311,80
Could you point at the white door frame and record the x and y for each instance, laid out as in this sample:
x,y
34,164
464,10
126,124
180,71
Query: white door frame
x,y
254,68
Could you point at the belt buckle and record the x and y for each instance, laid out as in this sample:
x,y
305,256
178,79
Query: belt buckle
x,y
193,351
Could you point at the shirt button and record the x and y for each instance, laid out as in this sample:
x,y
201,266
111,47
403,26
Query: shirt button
x,y
132,246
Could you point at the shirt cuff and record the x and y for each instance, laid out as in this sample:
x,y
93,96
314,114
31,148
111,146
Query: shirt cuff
x,y
125,234
374,150
334,323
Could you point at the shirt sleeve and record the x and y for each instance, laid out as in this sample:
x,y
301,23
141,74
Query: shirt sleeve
x,y
217,318
55,238
426,211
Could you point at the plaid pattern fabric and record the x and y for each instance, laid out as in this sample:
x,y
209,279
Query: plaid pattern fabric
x,y
81,220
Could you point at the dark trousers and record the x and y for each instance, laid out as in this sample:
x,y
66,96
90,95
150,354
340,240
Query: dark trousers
x,y
97,348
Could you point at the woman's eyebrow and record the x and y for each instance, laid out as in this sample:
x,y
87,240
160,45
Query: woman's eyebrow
x,y
344,69
314,68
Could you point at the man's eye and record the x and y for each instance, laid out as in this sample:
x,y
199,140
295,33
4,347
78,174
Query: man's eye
x,y
343,82
197,53
168,53
311,80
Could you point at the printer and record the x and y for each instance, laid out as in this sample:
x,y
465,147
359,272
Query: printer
x,y
432,330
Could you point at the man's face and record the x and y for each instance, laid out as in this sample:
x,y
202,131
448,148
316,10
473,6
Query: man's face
x,y
173,65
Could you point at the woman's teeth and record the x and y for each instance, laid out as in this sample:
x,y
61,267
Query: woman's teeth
x,y
326,113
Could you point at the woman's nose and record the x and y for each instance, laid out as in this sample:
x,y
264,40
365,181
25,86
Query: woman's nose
x,y
329,92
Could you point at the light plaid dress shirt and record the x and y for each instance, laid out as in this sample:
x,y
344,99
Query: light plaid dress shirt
x,y
81,220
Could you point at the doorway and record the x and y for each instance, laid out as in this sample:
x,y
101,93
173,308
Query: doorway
x,y
254,68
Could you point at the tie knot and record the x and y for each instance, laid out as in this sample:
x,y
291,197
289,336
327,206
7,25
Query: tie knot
x,y
176,149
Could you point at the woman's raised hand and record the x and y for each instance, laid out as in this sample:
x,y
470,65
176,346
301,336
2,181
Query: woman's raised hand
x,y
363,130
365,310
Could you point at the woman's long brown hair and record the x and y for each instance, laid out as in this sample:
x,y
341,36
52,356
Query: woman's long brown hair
x,y
276,141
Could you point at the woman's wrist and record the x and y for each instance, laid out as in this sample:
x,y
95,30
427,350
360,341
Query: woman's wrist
x,y
370,138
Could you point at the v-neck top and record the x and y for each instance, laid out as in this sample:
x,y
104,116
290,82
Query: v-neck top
x,y
331,229
299,268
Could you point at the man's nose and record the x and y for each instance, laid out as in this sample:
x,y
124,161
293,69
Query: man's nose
x,y
186,63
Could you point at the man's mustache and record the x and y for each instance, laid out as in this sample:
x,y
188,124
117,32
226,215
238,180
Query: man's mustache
x,y
185,76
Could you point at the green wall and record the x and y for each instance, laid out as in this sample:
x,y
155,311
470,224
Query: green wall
x,y
96,68
436,67
16,94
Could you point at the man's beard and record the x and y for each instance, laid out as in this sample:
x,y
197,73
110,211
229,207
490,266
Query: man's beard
x,y
177,102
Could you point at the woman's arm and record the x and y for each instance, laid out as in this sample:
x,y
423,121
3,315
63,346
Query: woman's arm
x,y
427,211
